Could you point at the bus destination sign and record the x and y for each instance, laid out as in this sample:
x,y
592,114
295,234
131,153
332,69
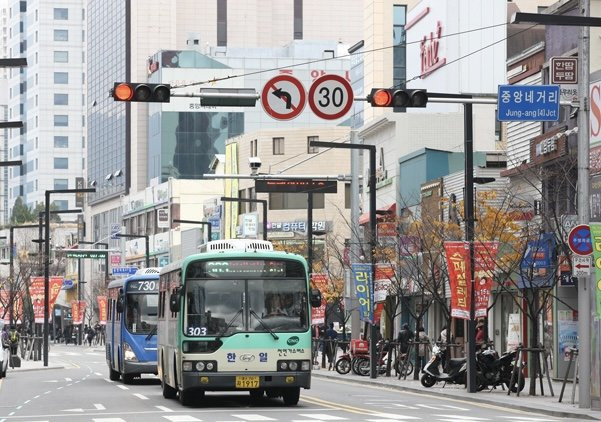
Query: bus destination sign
x,y
245,267
142,286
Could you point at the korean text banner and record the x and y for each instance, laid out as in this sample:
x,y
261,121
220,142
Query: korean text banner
x,y
78,309
485,255
362,280
319,282
596,238
385,274
102,309
36,291
457,254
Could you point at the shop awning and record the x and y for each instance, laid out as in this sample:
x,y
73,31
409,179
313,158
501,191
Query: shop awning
x,y
382,212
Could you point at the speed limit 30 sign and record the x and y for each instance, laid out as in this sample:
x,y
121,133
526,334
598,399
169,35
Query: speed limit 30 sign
x,y
330,97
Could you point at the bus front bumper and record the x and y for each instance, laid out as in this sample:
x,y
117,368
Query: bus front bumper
x,y
140,367
227,382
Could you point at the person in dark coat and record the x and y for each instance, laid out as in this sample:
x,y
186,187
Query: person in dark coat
x,y
405,336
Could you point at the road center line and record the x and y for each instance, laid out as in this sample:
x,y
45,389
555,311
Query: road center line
x,y
122,387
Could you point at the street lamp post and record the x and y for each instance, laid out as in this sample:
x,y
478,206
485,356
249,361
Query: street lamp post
x,y
204,223
47,258
256,201
139,236
373,337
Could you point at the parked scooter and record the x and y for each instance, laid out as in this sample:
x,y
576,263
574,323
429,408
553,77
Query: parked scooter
x,y
497,371
433,371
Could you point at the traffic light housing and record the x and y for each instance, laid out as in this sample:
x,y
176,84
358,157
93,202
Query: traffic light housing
x,y
141,92
396,97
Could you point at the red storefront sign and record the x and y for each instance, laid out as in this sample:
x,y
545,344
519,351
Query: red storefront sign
x,y
457,255
485,255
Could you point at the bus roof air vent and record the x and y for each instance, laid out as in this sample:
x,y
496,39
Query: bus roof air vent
x,y
243,245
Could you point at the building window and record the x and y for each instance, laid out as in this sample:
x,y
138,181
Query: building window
x,y
298,19
310,149
61,78
221,23
61,99
278,146
294,201
61,142
61,163
61,14
61,183
61,204
61,35
61,57
61,120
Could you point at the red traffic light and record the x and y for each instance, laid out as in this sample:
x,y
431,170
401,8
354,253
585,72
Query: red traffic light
x,y
141,92
394,97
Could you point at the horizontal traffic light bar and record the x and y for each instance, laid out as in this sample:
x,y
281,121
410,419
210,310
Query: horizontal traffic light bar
x,y
141,92
396,97
228,97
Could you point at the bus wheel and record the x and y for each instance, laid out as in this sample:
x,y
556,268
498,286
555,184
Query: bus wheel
x,y
128,378
291,396
114,375
256,395
187,398
168,391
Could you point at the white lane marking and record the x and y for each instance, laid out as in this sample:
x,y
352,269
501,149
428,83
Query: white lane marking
x,y
454,407
108,380
164,408
59,388
26,401
122,387
109,420
396,419
522,418
322,416
140,396
253,417
462,418
388,416
98,373
36,396
19,407
427,406
47,392
98,406
181,418
68,379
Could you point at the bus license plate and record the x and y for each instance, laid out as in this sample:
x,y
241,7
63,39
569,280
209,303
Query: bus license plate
x,y
247,382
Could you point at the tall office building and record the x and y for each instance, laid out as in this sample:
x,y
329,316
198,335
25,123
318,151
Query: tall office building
x,y
124,34
48,97
4,209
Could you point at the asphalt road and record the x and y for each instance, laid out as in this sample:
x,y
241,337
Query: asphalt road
x,y
83,392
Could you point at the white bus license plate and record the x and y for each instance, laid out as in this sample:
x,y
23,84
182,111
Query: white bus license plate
x,y
247,382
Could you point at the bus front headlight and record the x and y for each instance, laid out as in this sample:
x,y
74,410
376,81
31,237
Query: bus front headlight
x,y
128,353
200,366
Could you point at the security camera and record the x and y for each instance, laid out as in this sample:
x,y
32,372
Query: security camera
x,y
254,163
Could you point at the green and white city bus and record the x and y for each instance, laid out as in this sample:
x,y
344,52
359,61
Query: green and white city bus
x,y
235,318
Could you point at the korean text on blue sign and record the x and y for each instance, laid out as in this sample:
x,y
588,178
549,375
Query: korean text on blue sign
x,y
534,103
124,270
362,278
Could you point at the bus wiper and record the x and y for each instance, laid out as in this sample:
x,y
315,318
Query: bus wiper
x,y
253,313
222,332
152,333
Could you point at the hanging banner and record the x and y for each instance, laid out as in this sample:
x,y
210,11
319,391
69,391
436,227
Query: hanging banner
x,y
385,274
596,238
457,254
319,282
485,256
362,280
36,292
102,310
78,309
5,305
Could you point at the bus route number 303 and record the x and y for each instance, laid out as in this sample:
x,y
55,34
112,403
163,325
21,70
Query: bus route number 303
x,y
197,331
247,382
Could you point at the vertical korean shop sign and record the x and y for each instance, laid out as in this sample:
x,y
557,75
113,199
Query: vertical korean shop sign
x,y
457,254
102,309
362,280
596,238
320,282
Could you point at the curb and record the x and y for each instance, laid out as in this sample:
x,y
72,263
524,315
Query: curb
x,y
474,399
41,368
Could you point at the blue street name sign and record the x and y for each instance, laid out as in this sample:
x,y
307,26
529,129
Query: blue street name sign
x,y
124,270
532,103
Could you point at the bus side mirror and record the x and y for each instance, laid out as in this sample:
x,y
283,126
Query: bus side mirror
x,y
315,298
174,301
120,302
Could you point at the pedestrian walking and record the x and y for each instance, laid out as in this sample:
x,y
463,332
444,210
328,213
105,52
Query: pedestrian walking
x,y
13,340
422,348
330,339
405,336
90,336
443,338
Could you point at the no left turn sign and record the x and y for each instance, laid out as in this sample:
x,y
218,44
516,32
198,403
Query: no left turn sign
x,y
283,97
330,97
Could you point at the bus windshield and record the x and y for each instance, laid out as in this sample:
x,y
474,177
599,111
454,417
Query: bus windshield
x,y
141,312
224,307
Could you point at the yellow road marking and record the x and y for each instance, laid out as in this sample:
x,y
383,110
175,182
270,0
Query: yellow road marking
x,y
383,387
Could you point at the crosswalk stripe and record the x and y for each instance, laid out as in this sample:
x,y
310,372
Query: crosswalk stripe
x,y
141,396
181,418
109,420
462,418
525,419
398,418
164,408
122,387
253,417
322,416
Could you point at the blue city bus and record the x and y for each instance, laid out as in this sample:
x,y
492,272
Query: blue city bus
x,y
131,326
235,317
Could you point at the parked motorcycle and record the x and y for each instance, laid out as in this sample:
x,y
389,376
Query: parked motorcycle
x,y
360,363
497,371
433,371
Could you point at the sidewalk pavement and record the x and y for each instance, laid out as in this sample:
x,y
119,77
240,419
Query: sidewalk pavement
x,y
546,405
54,362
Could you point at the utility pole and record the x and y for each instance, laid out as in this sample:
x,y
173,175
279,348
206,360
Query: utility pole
x,y
354,247
585,284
